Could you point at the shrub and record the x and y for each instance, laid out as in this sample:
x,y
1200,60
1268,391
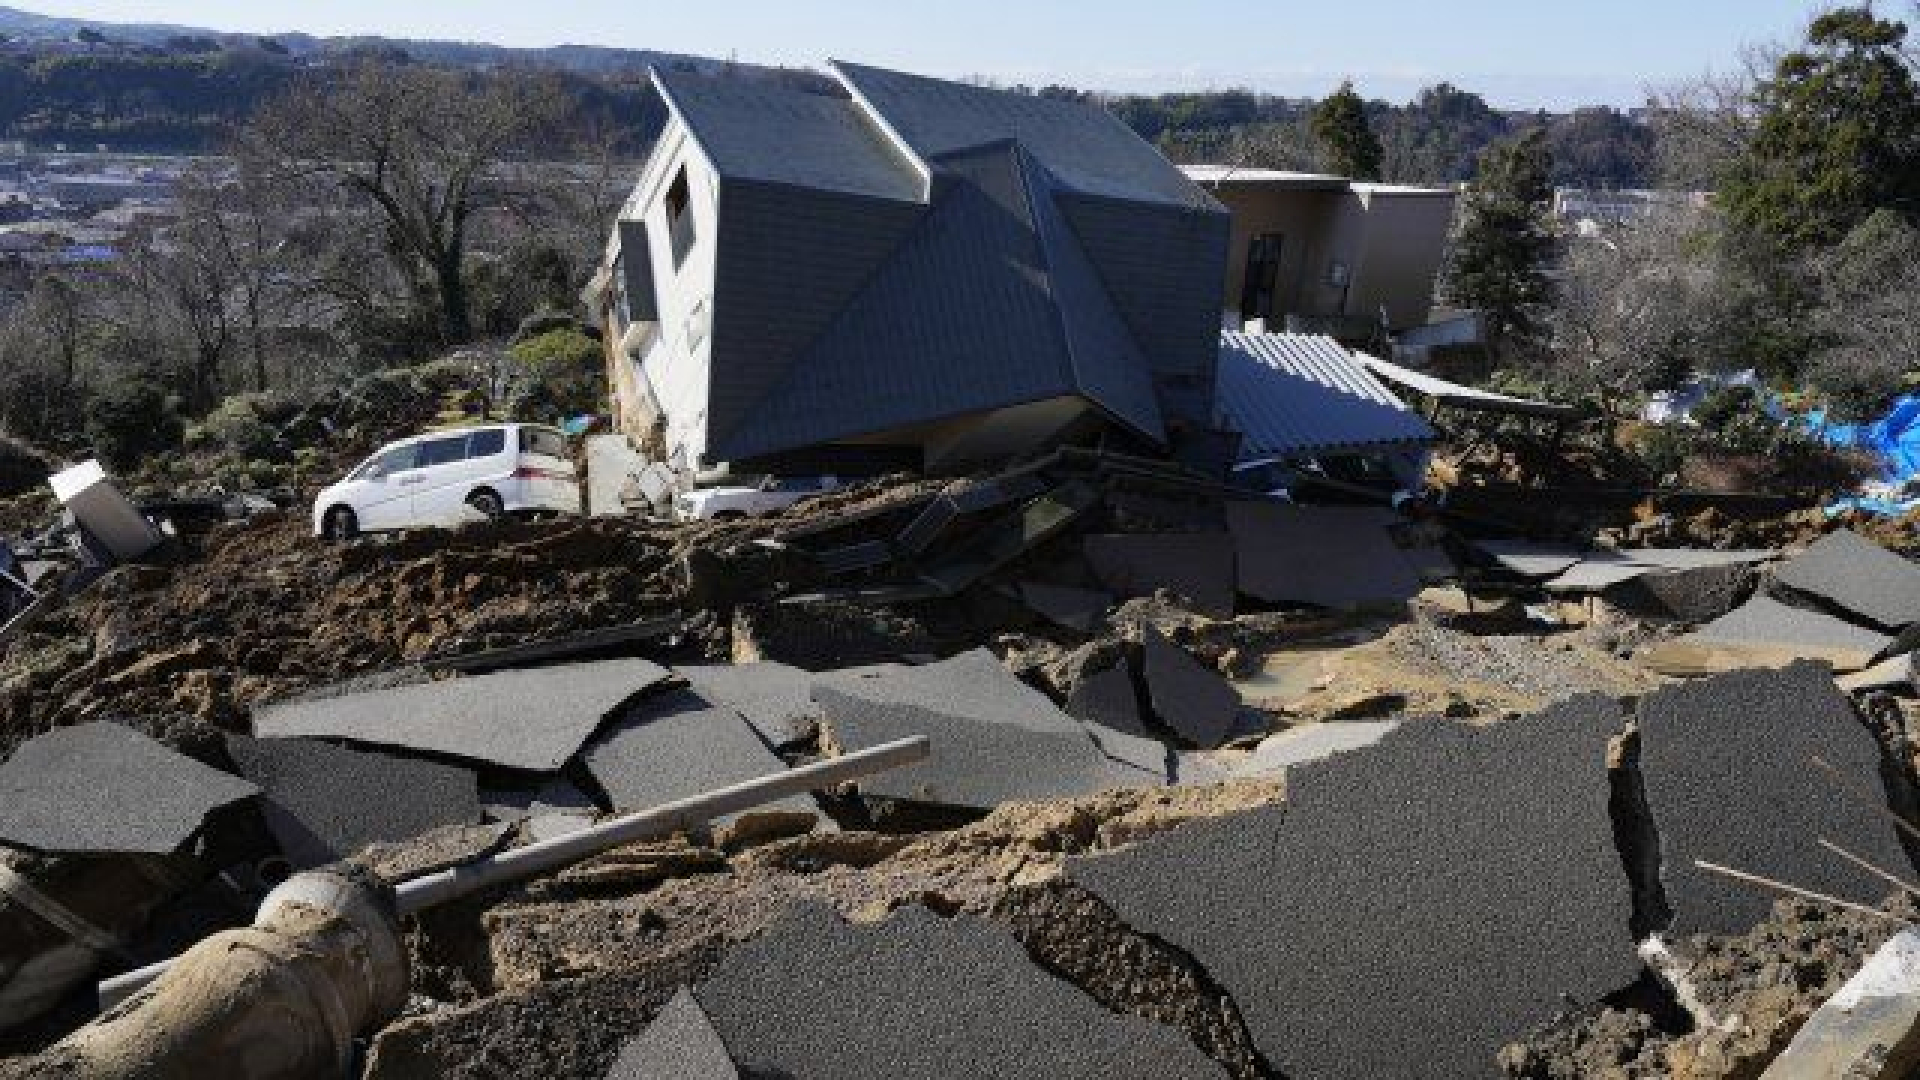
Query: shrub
x,y
132,420
559,375
240,427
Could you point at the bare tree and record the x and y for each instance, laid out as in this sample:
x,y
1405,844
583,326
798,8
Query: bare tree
x,y
426,148
1702,126
1637,308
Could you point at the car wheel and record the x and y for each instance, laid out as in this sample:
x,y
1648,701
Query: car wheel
x,y
340,525
488,503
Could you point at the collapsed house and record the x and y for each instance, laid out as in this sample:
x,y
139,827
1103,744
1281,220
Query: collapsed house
x,y
921,274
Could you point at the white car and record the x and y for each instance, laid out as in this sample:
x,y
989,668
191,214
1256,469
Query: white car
x,y
448,477
770,496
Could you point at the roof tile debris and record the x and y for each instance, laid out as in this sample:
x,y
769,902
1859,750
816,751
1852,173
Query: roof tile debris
x,y
324,803
1727,764
1339,557
1849,572
105,789
529,720
914,997
1386,953
1197,566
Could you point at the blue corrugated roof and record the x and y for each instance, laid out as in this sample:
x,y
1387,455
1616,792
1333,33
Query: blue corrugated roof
x,y
1296,395
760,131
1089,149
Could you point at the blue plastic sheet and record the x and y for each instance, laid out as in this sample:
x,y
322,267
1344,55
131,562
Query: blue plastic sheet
x,y
1893,441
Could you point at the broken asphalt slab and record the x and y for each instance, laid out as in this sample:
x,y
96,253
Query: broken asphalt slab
x,y
102,788
975,764
977,686
1339,557
1313,742
1726,764
1764,632
775,698
324,802
1108,705
1412,907
1197,566
914,997
1844,570
1189,697
677,745
531,721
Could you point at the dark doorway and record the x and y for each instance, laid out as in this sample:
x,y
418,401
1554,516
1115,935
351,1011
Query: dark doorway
x,y
1259,293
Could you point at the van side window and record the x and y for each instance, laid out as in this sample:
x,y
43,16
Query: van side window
x,y
443,451
543,441
486,443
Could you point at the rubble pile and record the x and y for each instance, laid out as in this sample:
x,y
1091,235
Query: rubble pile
x,y
1209,785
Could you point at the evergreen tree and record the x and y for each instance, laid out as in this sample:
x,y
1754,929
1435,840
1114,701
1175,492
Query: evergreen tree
x,y
1838,136
1345,140
1504,241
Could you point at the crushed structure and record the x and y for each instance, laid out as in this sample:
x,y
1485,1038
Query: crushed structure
x,y
917,274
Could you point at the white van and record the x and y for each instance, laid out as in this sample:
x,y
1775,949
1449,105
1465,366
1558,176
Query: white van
x,y
449,477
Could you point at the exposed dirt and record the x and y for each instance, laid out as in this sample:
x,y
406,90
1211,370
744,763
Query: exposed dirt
x,y
1757,989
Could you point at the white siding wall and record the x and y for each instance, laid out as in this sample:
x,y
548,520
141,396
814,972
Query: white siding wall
x,y
678,362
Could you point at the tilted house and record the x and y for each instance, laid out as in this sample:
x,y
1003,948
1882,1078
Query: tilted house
x,y
920,274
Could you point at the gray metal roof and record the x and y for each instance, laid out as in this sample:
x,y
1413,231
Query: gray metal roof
x,y
1293,395
990,303
761,131
1088,148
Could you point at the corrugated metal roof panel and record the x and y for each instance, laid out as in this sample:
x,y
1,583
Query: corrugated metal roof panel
x,y
1293,395
1464,397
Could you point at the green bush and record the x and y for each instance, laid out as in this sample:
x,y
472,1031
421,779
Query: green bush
x,y
132,420
1664,448
21,468
240,427
560,374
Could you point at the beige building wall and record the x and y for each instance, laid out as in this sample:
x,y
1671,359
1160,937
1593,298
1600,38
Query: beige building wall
x,y
1347,250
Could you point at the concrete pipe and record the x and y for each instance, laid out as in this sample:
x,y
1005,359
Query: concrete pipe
x,y
283,999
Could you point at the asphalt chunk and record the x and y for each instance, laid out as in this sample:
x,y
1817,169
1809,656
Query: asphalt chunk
x,y
1198,566
1858,576
915,997
774,698
103,788
1413,905
1339,557
532,720
1726,763
678,745
975,764
1192,699
324,803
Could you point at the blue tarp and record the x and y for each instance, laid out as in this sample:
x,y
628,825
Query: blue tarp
x,y
1893,441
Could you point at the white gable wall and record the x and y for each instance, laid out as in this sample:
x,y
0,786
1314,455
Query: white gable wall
x,y
676,360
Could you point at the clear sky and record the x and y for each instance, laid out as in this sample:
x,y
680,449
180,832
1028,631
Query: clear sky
x,y
1517,53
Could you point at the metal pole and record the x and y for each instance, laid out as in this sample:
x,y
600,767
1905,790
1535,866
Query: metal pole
x,y
432,890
